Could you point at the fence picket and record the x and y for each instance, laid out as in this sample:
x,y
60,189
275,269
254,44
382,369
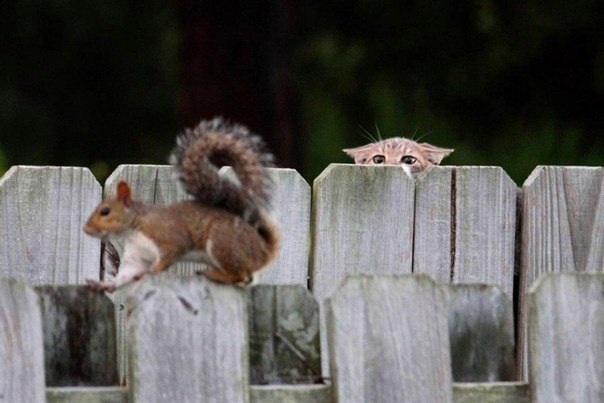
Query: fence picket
x,y
563,224
432,229
291,209
42,212
21,355
485,215
566,338
562,228
188,341
362,223
454,223
388,340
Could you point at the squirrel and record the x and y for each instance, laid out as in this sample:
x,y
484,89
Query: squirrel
x,y
226,225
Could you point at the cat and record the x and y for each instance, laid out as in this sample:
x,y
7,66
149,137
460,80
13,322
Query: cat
x,y
414,157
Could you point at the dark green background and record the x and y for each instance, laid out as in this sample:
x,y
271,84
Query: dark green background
x,y
510,83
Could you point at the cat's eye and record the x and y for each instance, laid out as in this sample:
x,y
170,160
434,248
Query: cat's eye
x,y
105,211
378,159
408,159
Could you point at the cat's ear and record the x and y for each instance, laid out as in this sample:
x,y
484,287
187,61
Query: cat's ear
x,y
434,154
359,154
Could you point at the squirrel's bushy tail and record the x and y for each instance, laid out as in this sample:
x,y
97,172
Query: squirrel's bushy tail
x,y
202,151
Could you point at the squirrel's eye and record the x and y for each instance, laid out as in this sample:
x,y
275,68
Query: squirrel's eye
x,y
105,211
408,159
378,159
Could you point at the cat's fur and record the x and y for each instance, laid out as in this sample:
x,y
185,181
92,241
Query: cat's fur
x,y
412,156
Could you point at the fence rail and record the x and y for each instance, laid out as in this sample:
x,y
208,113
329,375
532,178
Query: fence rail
x,y
385,336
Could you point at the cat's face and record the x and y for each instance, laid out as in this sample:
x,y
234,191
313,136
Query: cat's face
x,y
414,157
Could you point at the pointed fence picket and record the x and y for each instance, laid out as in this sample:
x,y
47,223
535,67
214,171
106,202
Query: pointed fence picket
x,y
388,340
42,212
562,229
456,224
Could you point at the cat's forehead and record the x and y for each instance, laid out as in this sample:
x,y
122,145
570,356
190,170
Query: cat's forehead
x,y
397,144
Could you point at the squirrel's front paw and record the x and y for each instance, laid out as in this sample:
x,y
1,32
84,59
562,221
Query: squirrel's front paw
x,y
100,286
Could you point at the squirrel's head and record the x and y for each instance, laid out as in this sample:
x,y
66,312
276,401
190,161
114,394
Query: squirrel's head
x,y
113,215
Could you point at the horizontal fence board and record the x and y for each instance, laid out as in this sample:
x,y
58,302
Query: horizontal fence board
x,y
432,236
481,332
485,227
284,335
566,338
388,340
42,212
485,392
188,338
508,392
79,337
504,392
21,355
88,394
290,394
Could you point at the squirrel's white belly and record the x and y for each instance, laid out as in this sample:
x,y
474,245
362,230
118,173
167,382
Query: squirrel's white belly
x,y
139,248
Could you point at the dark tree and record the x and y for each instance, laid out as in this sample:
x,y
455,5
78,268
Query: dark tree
x,y
234,63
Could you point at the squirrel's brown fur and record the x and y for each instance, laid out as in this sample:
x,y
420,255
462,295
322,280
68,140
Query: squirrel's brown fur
x,y
225,226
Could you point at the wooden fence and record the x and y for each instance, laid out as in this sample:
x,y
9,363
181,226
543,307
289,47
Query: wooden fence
x,y
385,336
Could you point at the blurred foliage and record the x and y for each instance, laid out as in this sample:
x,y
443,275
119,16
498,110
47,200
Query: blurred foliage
x,y
514,83
91,83
511,83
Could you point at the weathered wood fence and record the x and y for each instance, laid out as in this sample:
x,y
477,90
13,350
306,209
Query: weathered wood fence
x,y
387,337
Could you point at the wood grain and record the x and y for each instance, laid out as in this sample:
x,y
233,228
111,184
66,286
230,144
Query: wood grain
x,y
491,392
566,338
87,394
388,340
432,252
290,394
291,209
21,345
188,341
485,214
362,223
42,212
563,221
562,228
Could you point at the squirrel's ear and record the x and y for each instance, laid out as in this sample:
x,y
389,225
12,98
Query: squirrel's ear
x,y
123,193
